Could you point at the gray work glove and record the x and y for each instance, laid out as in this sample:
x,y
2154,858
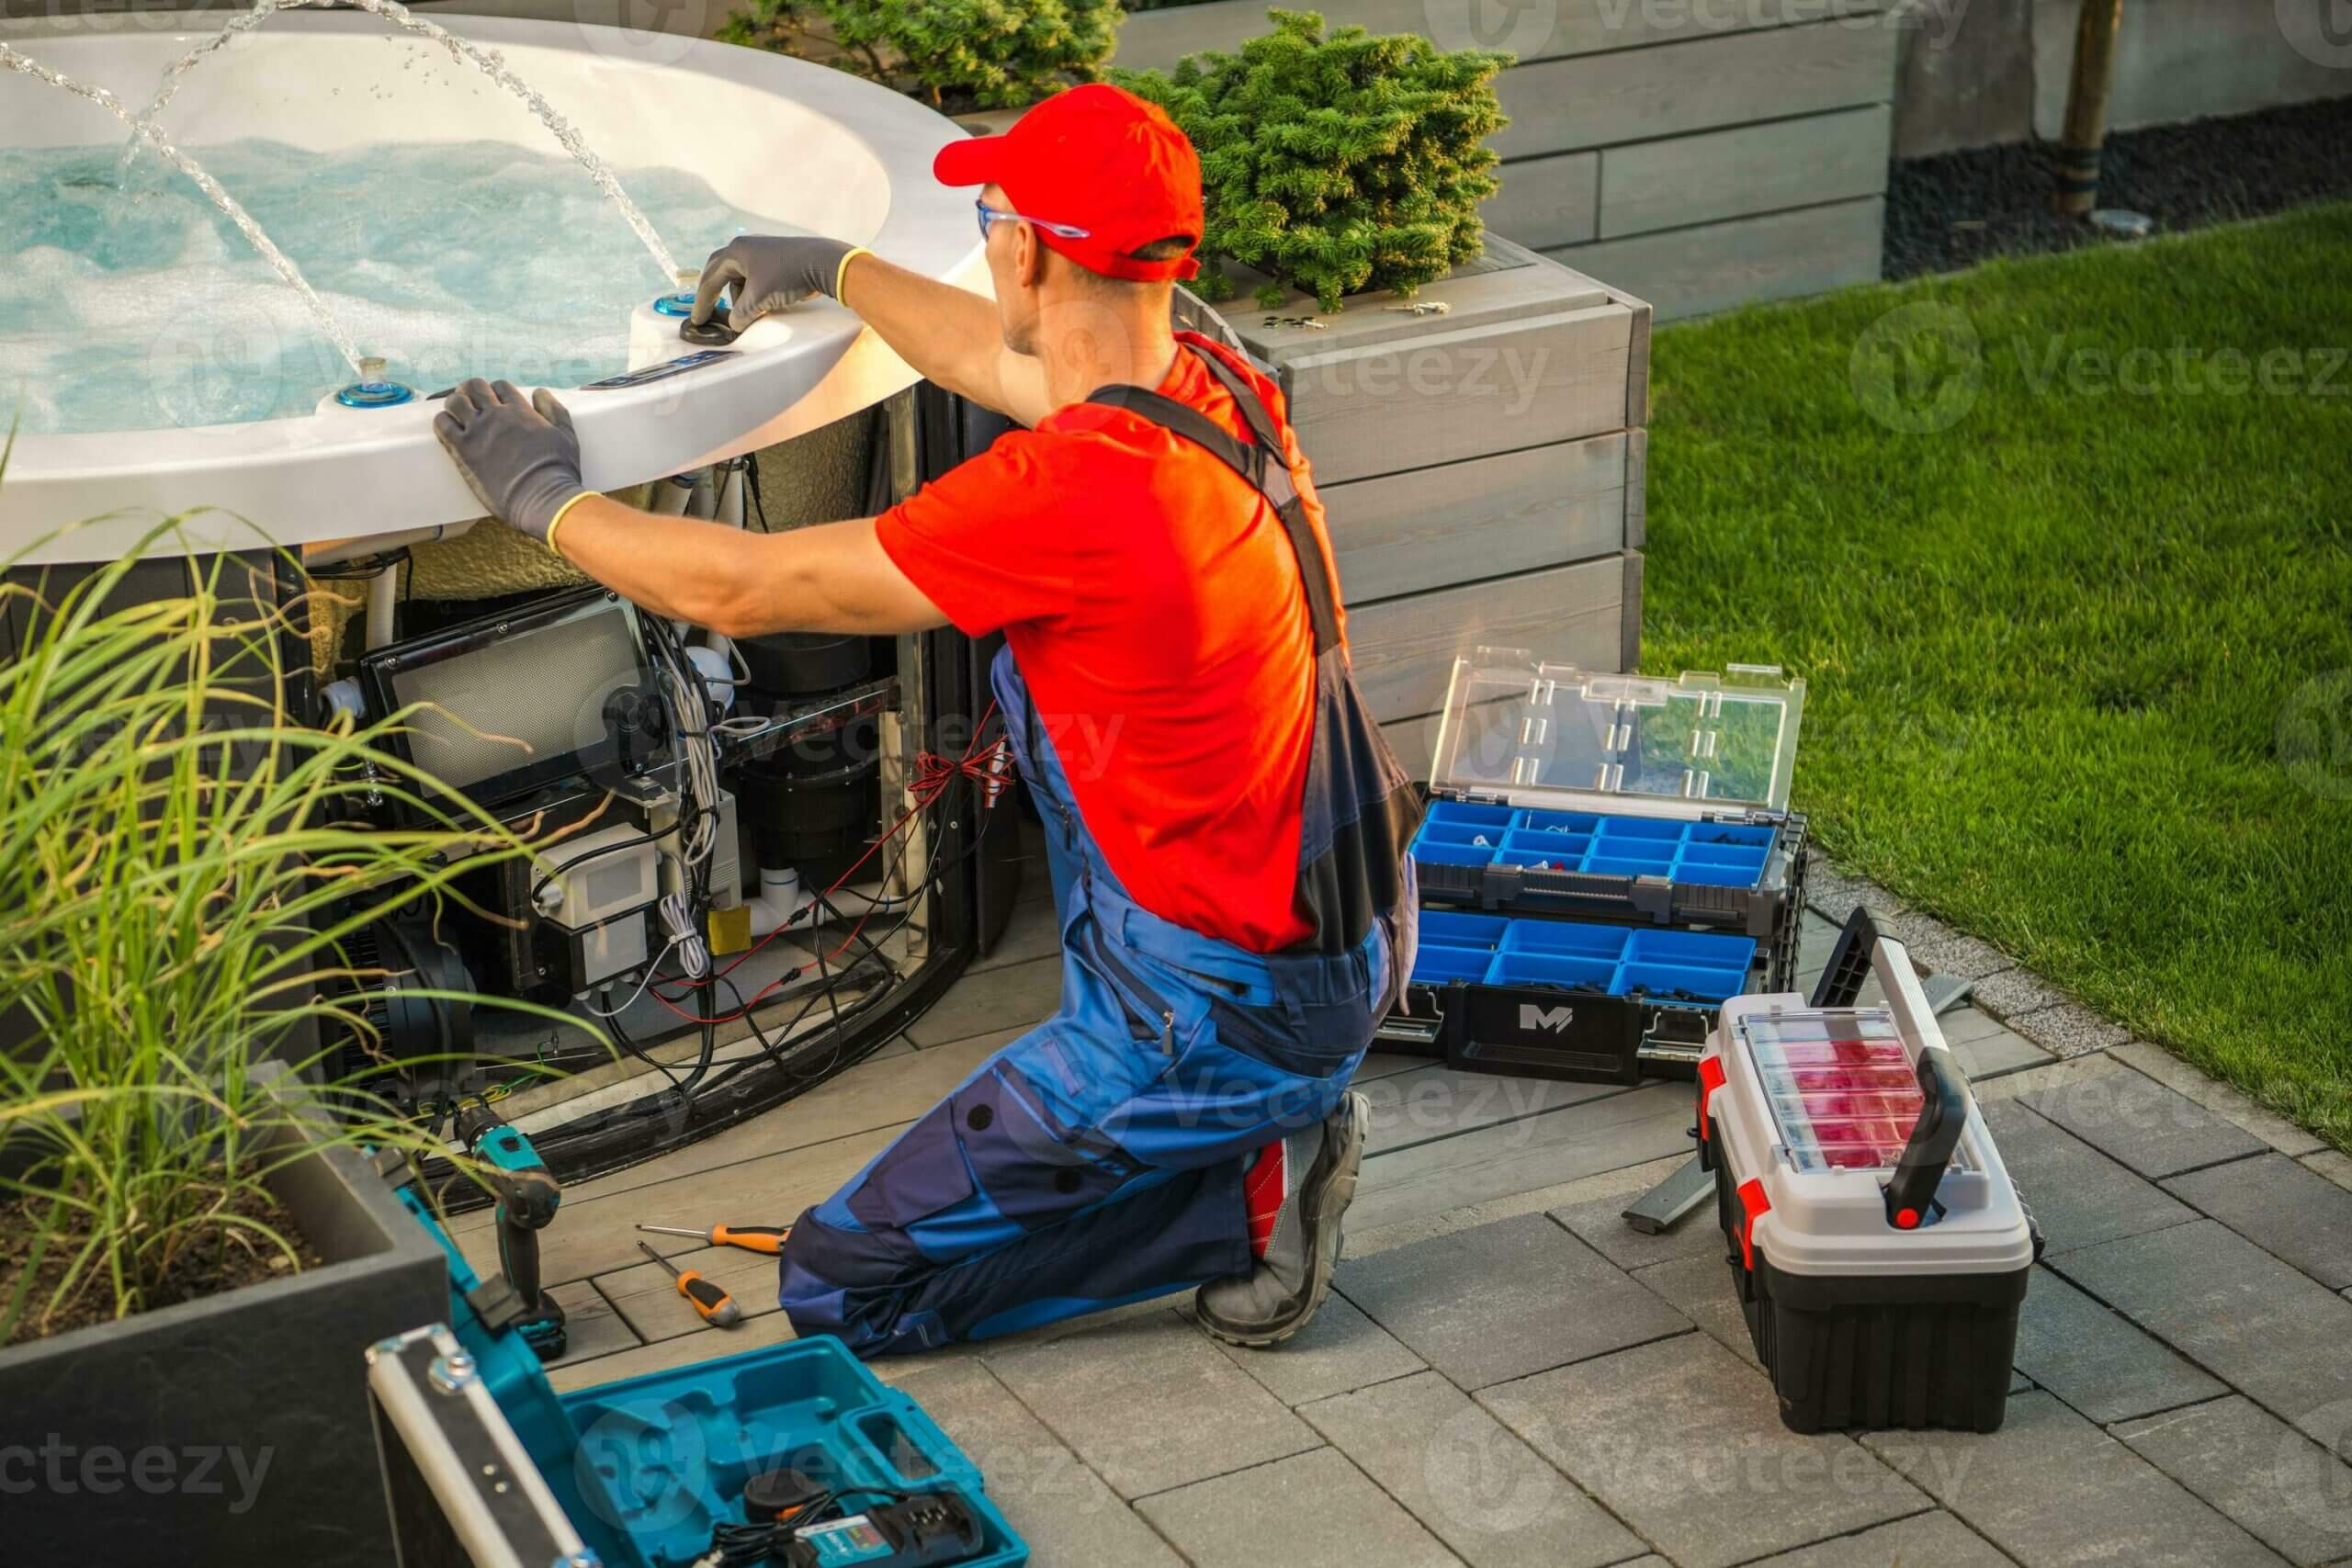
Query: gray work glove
x,y
769,272
520,457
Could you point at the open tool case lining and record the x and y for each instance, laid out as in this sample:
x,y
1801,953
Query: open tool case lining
x,y
1626,847
645,1467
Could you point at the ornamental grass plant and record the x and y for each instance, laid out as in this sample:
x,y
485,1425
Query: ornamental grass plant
x,y
181,862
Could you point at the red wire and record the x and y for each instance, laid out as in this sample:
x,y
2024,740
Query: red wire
x,y
987,766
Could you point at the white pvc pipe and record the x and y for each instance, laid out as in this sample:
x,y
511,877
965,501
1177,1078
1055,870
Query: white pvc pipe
x,y
780,899
670,497
383,601
334,552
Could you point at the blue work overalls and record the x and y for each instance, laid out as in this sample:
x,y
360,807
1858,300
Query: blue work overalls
x,y
1099,1158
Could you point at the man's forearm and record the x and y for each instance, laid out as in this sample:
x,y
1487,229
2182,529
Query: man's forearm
x,y
949,335
833,577
682,568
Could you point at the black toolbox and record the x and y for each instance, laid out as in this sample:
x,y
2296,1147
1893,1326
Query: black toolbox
x,y
1879,1251
1605,859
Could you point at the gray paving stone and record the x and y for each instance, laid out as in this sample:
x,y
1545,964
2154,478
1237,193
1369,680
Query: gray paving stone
x,y
2274,1480
1435,1101
1685,1444
1699,1288
1340,1350
2081,1197
2157,1131
1937,1538
1065,1511
2050,1488
2270,1127
1504,1299
1150,1404
1601,1223
2095,1360
2069,1029
1312,1510
2249,1319
1990,1055
2287,1210
1485,1492
1629,1127
2015,992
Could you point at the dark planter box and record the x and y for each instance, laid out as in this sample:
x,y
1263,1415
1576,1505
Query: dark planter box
x,y
230,1429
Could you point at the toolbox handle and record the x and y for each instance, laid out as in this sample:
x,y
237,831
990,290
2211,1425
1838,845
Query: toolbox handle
x,y
1945,1101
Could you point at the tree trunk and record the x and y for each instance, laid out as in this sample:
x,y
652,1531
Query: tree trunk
x,y
2086,92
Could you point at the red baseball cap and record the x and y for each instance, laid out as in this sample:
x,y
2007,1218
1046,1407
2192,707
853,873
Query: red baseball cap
x,y
1098,159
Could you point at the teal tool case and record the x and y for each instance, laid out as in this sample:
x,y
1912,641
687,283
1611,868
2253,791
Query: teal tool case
x,y
643,1469
1605,859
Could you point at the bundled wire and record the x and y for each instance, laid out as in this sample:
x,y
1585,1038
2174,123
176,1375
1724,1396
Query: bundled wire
x,y
688,697
988,767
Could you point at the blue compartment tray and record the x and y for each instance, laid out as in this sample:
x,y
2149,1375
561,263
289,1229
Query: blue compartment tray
x,y
1684,968
1714,854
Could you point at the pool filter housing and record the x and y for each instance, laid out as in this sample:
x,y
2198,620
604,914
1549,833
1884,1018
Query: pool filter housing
x,y
1878,1247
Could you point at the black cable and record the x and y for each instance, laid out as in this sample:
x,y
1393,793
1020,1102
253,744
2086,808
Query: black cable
x,y
639,1051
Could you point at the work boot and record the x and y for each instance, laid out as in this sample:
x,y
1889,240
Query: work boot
x,y
1280,1296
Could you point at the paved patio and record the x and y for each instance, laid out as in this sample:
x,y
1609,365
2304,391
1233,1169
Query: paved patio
x,y
1510,1376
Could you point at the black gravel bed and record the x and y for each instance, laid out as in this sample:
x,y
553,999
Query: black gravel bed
x,y
1954,210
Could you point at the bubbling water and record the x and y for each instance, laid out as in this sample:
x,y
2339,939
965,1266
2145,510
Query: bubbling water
x,y
488,61
142,309
10,59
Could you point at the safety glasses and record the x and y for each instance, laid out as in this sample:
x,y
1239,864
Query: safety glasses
x,y
996,215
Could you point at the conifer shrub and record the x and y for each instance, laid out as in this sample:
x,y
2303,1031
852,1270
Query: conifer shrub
x,y
956,54
1335,166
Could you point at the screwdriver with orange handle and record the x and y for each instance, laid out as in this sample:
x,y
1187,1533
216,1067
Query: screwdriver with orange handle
x,y
714,1306
751,1238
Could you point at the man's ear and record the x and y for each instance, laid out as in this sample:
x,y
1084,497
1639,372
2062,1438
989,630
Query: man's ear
x,y
1029,258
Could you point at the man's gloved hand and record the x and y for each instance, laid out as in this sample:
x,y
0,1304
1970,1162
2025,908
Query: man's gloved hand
x,y
520,457
769,272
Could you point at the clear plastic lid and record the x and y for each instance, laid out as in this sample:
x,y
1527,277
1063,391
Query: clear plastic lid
x,y
1843,1092
1553,734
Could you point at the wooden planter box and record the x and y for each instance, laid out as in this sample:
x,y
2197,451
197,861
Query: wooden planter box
x,y
1482,468
1704,156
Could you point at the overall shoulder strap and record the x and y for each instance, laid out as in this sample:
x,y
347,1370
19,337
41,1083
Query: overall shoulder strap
x,y
1260,462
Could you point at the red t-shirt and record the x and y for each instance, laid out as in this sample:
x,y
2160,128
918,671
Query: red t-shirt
x,y
1153,601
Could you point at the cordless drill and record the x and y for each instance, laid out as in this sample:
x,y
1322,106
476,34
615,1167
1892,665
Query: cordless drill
x,y
528,1196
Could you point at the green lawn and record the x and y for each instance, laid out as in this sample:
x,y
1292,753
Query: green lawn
x,y
2077,620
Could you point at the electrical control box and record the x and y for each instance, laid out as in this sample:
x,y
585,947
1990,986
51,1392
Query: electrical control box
x,y
1605,859
1877,1246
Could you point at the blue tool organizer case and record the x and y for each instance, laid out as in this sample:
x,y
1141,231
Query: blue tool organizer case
x,y
646,1466
1605,859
